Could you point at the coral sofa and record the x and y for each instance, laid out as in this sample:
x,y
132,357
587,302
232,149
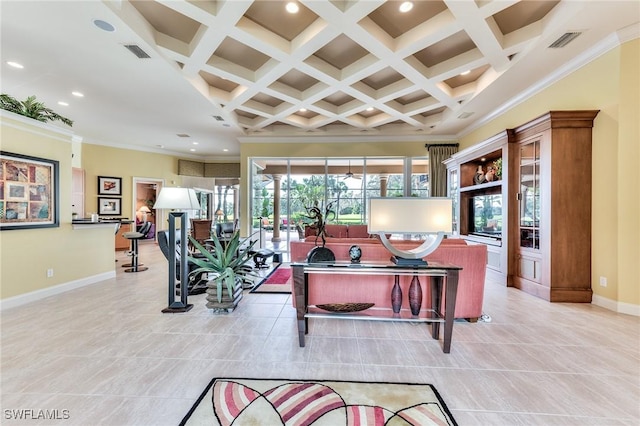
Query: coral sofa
x,y
360,289
339,231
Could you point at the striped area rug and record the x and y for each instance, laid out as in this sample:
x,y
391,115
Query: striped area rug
x,y
228,401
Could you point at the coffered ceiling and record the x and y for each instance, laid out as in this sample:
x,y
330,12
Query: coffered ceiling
x,y
218,73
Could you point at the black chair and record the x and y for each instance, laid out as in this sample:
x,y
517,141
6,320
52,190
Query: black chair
x,y
135,237
196,284
225,230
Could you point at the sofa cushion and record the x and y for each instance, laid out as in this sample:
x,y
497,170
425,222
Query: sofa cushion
x,y
309,231
358,231
336,231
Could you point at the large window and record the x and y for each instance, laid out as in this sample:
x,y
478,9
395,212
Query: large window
x,y
344,184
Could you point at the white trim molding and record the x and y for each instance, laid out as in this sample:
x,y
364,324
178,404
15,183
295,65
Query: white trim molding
x,y
34,296
614,305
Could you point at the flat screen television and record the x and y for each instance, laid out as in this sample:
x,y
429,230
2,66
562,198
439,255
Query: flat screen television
x,y
486,216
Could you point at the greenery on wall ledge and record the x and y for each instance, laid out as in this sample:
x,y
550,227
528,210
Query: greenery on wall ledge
x,y
32,109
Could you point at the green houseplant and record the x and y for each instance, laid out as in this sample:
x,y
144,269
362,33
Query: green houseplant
x,y
229,266
32,109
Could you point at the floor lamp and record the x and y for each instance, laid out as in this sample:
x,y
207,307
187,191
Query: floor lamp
x,y
178,199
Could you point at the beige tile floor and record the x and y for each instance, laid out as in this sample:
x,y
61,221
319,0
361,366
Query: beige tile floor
x,y
105,355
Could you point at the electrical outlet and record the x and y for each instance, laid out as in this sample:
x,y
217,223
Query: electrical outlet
x,y
603,281
49,273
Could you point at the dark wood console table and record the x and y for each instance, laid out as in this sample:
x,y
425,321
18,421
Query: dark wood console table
x,y
436,274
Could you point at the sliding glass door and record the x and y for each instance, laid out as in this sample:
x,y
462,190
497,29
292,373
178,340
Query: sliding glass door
x,y
283,190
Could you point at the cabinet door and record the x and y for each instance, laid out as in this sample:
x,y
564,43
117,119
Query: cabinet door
x,y
122,243
529,195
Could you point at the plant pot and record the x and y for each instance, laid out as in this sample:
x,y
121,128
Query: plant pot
x,y
228,304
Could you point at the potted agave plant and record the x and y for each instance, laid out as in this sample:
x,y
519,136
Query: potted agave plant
x,y
228,267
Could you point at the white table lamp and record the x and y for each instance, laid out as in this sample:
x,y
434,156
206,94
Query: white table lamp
x,y
409,215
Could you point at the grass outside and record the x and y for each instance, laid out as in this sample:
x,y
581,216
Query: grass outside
x,y
343,219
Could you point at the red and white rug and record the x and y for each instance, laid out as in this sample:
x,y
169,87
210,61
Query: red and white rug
x,y
275,282
272,402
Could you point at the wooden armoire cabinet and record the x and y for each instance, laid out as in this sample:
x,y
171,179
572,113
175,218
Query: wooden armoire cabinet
x,y
550,206
535,219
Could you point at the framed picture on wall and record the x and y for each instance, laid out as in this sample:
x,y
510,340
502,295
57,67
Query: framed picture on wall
x,y
109,206
29,192
108,185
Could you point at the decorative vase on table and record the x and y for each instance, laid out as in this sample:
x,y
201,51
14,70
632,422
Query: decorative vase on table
x,y
320,254
415,296
396,296
355,253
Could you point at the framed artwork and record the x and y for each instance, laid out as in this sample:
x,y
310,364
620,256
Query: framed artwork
x,y
109,206
108,185
29,192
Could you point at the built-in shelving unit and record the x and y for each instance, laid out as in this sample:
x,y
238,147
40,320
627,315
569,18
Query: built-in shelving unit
x,y
536,218
480,204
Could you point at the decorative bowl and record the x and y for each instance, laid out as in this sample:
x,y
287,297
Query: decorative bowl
x,y
345,307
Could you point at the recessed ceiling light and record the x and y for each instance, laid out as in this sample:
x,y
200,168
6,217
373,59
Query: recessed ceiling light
x,y
194,143
292,7
465,72
406,6
225,150
303,110
78,94
15,65
370,109
192,150
63,103
104,25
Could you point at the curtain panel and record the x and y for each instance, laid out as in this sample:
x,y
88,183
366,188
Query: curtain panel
x,y
437,170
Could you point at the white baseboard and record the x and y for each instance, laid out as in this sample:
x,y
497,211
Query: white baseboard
x,y
614,305
23,299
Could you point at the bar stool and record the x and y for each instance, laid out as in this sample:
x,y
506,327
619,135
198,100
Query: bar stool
x,y
135,237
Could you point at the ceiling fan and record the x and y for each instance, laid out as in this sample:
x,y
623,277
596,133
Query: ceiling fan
x,y
350,174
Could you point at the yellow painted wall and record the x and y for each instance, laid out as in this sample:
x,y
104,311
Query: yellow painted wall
x,y
98,160
609,84
26,254
628,194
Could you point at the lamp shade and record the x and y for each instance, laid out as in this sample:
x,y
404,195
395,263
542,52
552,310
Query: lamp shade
x,y
410,215
177,198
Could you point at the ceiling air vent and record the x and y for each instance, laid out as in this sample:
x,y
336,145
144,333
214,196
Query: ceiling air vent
x,y
465,115
218,118
183,135
564,39
136,50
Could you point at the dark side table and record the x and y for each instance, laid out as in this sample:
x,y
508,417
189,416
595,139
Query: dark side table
x,y
436,273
